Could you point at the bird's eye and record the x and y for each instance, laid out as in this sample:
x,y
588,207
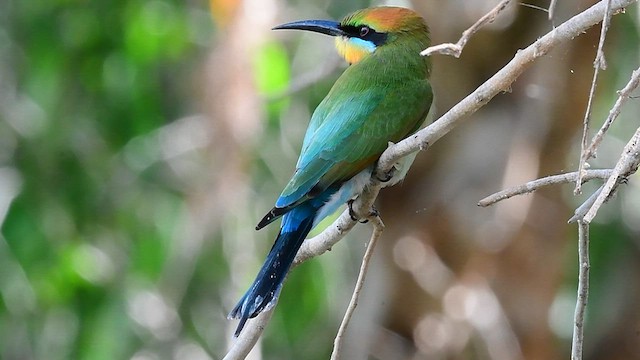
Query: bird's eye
x,y
364,31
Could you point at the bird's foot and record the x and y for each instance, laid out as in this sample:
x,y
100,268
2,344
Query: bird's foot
x,y
352,214
386,176
373,213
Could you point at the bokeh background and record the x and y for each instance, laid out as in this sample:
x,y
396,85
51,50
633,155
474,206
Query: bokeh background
x,y
141,141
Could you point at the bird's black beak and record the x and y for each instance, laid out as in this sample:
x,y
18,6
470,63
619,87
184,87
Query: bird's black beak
x,y
327,27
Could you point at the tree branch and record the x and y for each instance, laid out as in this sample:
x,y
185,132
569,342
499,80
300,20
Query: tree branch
x,y
498,83
577,343
623,96
249,336
552,9
534,185
599,63
378,228
456,49
578,214
626,165
421,140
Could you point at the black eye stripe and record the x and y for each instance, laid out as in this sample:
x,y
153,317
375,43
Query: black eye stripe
x,y
365,33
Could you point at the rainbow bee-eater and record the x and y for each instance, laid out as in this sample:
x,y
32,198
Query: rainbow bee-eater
x,y
383,96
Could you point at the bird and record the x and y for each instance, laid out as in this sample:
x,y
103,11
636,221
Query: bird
x,y
383,96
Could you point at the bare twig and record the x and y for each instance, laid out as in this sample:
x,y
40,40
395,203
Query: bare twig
x,y
498,83
378,227
421,140
534,185
323,242
626,165
623,96
599,63
456,49
535,7
552,9
249,335
583,291
578,214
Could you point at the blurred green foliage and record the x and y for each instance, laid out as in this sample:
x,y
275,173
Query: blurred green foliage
x,y
81,79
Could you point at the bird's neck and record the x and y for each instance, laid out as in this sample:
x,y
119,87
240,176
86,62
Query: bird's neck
x,y
396,62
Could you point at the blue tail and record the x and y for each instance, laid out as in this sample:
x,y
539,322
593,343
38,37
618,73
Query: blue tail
x,y
265,289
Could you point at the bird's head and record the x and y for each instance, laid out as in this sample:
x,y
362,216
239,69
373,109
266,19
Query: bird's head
x,y
363,32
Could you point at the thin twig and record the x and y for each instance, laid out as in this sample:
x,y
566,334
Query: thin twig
x,y
535,7
323,242
623,96
578,214
534,185
552,9
378,228
626,165
599,63
498,83
583,291
456,49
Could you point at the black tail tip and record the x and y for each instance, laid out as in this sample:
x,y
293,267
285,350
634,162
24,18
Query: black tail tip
x,y
237,313
271,216
244,311
243,321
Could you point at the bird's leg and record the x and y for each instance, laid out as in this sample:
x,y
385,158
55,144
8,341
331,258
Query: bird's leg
x,y
352,214
373,213
387,176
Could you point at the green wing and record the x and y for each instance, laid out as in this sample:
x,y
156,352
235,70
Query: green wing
x,y
349,131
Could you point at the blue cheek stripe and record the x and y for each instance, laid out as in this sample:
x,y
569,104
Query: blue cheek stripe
x,y
362,44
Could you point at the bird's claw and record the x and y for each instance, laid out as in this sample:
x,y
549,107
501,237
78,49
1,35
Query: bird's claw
x,y
352,214
387,176
372,214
